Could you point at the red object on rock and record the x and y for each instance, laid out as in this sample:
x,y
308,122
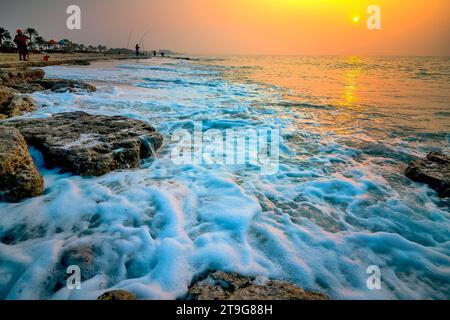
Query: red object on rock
x,y
45,58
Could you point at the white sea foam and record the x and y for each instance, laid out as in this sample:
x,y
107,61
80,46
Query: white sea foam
x,y
332,209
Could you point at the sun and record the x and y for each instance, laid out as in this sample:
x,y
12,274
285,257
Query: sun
x,y
355,19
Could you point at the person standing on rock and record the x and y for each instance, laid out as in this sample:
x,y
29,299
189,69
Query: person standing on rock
x,y
137,50
21,41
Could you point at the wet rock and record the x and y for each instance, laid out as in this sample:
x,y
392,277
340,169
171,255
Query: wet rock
x,y
28,87
63,85
18,106
6,95
232,286
117,295
13,104
19,177
434,170
32,80
16,77
81,256
80,62
90,145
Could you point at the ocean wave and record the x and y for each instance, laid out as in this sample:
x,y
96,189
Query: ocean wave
x,y
338,204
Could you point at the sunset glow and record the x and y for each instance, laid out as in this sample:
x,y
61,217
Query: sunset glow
x,y
415,27
190,151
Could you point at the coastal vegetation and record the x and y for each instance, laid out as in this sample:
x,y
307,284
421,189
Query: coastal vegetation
x,y
38,43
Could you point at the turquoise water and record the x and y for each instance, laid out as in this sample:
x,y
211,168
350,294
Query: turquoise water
x,y
338,203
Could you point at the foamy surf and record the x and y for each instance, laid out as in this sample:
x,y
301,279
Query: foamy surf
x,y
338,204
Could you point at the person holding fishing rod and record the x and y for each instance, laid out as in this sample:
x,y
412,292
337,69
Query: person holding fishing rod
x,y
137,49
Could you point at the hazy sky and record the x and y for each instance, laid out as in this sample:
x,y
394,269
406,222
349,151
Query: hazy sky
x,y
409,27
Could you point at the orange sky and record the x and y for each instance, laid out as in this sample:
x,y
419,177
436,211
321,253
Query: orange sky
x,y
413,27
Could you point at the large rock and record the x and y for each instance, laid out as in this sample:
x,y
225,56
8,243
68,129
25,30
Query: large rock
x,y
434,170
117,295
63,85
32,80
19,177
90,145
15,77
13,104
231,286
56,85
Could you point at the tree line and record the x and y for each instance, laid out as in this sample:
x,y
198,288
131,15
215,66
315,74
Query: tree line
x,y
38,42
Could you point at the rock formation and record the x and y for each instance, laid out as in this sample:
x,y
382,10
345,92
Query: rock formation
x,y
19,177
62,85
434,170
90,145
117,295
13,104
29,81
232,286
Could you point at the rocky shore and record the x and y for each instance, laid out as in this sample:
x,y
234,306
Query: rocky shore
x,y
11,60
93,145
232,286
19,177
434,170
89,145
76,142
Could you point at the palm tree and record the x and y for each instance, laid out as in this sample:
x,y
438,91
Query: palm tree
x,y
8,44
4,35
31,32
40,41
67,44
91,48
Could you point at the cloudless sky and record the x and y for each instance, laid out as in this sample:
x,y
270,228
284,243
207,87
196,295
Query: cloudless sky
x,y
412,27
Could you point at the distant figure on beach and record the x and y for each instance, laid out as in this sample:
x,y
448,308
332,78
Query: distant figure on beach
x,y
21,41
154,53
137,50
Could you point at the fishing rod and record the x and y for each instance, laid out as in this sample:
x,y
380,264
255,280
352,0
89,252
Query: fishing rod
x,y
143,37
129,38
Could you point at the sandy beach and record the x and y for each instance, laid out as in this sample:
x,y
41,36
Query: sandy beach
x,y
10,60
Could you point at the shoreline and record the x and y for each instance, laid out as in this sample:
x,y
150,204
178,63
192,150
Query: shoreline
x,y
20,79
10,61
422,170
21,75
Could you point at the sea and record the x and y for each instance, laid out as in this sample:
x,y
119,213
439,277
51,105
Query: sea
x,y
334,214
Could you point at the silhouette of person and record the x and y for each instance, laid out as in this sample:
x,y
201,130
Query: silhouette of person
x,y
137,50
21,41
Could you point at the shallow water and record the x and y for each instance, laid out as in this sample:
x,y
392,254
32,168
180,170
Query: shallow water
x,y
338,203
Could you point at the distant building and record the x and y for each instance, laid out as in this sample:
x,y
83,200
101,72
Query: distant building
x,y
52,45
